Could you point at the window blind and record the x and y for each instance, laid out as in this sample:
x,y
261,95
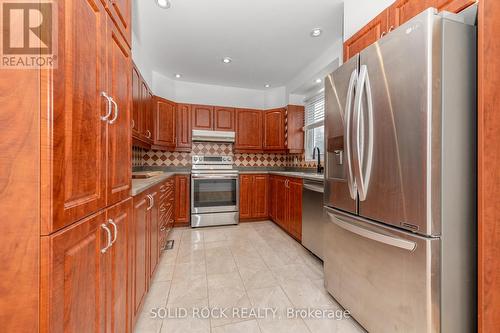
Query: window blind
x,y
315,111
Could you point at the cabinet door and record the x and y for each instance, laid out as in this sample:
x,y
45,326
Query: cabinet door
x,y
272,197
454,6
403,10
136,102
145,113
224,119
77,176
153,229
139,252
260,196
182,203
248,130
121,13
117,266
246,182
183,129
281,204
274,129
294,130
119,138
295,208
202,117
367,35
73,278
165,111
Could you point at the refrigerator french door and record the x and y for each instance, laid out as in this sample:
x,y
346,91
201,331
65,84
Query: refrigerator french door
x,y
399,190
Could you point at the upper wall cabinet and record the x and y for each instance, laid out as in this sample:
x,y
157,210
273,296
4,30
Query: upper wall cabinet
x,y
224,119
136,101
120,11
368,35
203,117
398,13
274,129
183,128
87,117
294,137
248,130
143,129
165,123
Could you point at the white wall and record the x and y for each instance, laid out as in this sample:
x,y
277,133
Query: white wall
x,y
357,13
199,93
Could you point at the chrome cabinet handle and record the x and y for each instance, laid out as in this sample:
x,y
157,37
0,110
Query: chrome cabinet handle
x,y
133,123
359,147
109,108
148,134
391,28
383,34
110,221
108,232
151,201
116,111
351,183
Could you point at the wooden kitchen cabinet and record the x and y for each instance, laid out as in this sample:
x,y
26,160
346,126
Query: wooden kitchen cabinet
x,y
182,200
121,13
248,130
146,113
183,128
202,117
119,135
139,250
368,35
136,102
404,10
274,130
286,194
164,123
224,119
294,140
153,234
273,197
254,197
454,6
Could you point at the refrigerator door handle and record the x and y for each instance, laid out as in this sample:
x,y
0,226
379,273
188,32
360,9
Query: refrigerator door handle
x,y
351,183
363,181
378,237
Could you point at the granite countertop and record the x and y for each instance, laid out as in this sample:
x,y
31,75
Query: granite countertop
x,y
296,174
140,185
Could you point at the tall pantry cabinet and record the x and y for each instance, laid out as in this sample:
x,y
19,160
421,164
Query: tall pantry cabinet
x,y
85,170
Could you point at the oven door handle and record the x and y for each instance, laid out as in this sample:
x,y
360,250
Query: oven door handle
x,y
215,176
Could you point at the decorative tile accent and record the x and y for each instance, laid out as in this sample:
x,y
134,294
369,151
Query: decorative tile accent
x,y
183,159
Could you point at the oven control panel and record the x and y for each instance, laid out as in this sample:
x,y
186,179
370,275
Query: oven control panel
x,y
212,160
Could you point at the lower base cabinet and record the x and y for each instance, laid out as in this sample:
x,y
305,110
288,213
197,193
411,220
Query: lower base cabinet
x,y
254,197
84,274
286,204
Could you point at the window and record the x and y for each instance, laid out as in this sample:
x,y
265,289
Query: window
x,y
314,125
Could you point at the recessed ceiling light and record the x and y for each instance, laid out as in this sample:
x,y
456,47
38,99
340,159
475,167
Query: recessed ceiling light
x,y
267,85
165,4
318,81
316,32
226,60
178,76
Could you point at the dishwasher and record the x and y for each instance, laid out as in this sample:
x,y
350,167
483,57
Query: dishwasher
x,y
313,217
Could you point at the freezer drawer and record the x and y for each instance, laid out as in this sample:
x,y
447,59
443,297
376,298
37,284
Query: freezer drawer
x,y
386,278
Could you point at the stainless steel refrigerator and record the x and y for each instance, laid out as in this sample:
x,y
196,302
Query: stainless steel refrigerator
x,y
400,179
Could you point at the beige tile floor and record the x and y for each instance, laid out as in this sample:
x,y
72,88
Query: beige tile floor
x,y
249,266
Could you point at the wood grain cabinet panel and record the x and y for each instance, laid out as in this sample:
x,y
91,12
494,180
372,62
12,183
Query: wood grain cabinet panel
x,y
136,102
367,35
202,117
165,123
248,130
73,278
153,229
119,136
294,141
74,137
183,129
294,214
224,119
246,182
273,197
274,129
139,248
121,13
404,10
454,6
260,197
182,200
146,113
118,260
286,196
282,203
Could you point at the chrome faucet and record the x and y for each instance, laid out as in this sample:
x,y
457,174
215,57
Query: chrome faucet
x,y
319,168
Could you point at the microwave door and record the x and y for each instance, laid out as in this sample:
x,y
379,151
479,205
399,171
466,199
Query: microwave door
x,y
340,187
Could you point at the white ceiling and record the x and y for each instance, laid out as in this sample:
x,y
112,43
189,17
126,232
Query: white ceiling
x,y
268,40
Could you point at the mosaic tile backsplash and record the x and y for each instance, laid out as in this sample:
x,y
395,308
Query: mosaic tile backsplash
x,y
142,157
